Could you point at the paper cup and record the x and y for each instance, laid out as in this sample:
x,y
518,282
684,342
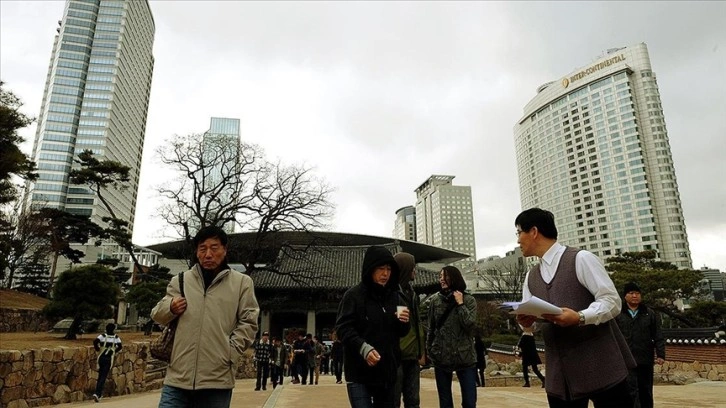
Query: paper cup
x,y
400,309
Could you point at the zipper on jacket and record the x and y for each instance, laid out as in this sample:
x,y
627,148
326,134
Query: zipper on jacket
x,y
216,280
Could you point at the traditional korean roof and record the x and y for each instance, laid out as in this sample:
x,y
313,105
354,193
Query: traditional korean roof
x,y
240,244
695,335
319,260
333,267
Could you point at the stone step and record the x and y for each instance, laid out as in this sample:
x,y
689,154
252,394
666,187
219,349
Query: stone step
x,y
154,375
154,384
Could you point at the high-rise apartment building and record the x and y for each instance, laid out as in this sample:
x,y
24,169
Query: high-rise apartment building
x,y
405,224
444,217
593,148
221,148
96,97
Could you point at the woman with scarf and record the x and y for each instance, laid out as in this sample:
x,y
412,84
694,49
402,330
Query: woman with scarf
x,y
450,340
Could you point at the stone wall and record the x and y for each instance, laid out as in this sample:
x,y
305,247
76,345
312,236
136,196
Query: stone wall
x,y
49,376
23,320
685,363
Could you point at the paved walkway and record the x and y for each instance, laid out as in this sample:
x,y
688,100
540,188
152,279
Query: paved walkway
x,y
331,395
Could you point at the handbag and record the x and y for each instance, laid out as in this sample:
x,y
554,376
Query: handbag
x,y
161,347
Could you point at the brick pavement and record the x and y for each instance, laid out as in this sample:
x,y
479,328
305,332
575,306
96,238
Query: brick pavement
x,y
331,395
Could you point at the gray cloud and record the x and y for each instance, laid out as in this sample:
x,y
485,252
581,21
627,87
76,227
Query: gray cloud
x,y
380,95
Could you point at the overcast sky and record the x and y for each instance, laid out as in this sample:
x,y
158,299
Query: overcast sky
x,y
378,96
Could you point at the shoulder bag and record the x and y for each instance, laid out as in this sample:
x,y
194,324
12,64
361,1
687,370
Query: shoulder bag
x,y
161,347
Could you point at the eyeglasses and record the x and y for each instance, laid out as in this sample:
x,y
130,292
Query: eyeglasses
x,y
516,234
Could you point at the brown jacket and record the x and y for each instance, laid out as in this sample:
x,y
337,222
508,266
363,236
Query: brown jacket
x,y
212,333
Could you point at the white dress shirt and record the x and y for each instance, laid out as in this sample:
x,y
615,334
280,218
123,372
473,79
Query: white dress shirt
x,y
591,274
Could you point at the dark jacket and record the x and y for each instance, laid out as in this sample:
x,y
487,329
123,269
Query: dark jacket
x,y
528,350
367,318
412,344
451,346
336,352
643,334
283,355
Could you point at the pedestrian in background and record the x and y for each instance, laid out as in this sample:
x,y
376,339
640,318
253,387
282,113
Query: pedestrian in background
x,y
481,360
336,357
530,356
278,362
641,327
263,350
107,345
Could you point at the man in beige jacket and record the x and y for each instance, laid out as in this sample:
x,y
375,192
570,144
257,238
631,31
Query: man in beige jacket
x,y
217,322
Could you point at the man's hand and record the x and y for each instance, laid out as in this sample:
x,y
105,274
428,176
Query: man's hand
x,y
403,315
178,305
526,320
567,318
659,361
373,358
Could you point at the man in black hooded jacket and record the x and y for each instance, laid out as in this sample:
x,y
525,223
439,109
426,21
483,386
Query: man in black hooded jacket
x,y
370,327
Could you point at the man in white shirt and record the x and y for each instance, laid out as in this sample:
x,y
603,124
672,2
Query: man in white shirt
x,y
587,357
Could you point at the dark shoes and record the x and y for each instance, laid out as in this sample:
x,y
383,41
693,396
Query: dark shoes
x,y
257,389
339,382
526,385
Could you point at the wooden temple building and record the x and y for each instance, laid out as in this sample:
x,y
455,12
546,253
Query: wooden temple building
x,y
300,276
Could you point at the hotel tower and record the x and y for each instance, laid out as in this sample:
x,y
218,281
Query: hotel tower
x,y
592,147
96,97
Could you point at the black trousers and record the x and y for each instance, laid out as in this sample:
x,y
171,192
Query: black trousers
x,y
263,371
338,369
535,370
276,375
617,396
641,385
104,366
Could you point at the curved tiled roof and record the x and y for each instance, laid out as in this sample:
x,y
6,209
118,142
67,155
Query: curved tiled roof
x,y
318,260
333,267
695,335
241,243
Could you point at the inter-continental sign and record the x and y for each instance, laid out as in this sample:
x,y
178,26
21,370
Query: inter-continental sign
x,y
567,81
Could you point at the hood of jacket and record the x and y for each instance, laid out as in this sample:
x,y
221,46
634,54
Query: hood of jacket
x,y
377,256
406,263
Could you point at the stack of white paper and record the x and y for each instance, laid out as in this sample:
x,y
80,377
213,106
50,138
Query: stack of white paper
x,y
533,307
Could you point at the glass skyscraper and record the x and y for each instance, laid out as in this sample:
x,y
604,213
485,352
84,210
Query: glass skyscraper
x,y
221,150
96,97
593,148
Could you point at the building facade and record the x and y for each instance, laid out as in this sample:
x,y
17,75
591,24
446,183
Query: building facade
x,y
444,217
221,148
405,224
593,148
96,97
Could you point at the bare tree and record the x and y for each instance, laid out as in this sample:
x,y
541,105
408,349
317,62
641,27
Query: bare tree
x,y
215,179
504,281
220,182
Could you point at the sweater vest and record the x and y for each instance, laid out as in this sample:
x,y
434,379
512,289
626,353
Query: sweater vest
x,y
580,360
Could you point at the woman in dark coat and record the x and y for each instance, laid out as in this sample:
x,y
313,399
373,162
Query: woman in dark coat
x,y
530,357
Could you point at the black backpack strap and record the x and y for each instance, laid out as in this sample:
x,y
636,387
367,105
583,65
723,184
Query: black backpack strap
x,y
440,322
445,315
181,283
